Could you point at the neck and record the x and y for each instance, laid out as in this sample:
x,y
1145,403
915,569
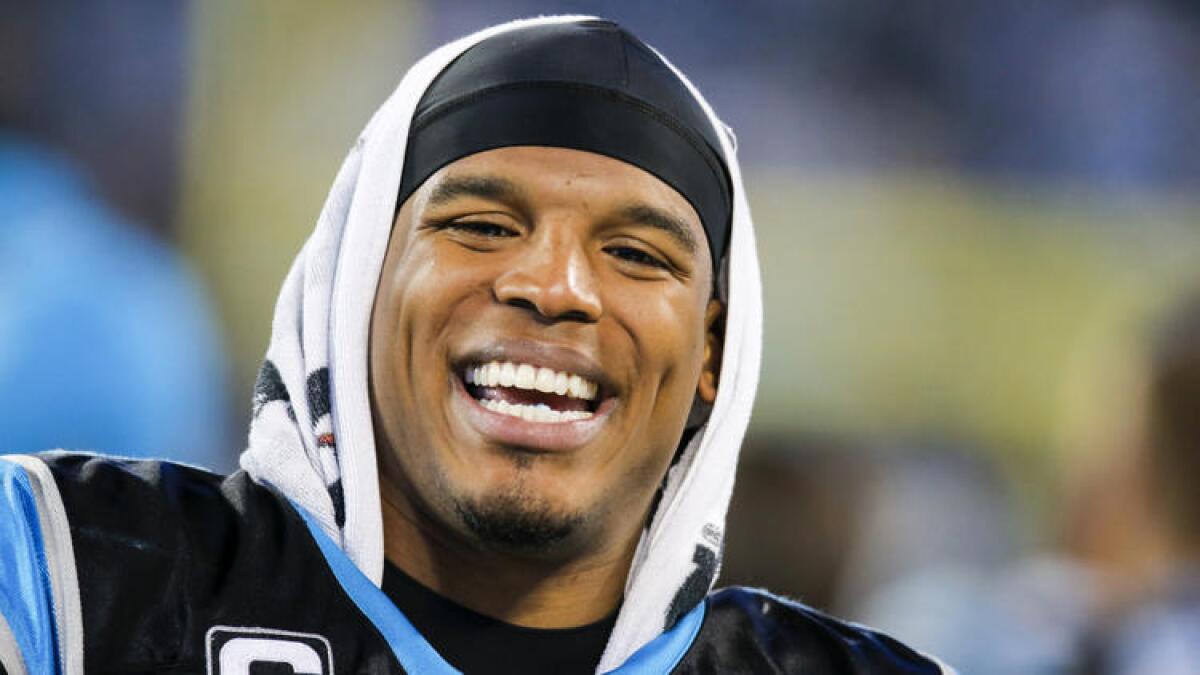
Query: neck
x,y
519,590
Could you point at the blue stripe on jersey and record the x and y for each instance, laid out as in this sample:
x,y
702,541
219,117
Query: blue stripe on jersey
x,y
25,593
415,653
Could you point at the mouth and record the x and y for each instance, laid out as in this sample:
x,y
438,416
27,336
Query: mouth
x,y
533,397
532,393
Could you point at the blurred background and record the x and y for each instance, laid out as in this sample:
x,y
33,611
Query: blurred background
x,y
979,225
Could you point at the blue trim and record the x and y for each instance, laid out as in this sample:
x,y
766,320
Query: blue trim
x,y
415,653
26,599
664,652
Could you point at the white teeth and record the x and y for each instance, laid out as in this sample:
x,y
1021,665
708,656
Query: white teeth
x,y
526,376
545,380
506,374
578,387
534,413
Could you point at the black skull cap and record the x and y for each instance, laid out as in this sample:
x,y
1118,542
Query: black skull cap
x,y
586,85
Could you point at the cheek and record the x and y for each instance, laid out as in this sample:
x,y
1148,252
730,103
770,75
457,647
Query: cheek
x,y
420,306
403,325
667,330
670,330
429,292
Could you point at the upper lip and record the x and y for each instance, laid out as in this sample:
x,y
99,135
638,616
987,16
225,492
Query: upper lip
x,y
557,357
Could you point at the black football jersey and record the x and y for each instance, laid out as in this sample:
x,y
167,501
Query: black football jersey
x,y
126,566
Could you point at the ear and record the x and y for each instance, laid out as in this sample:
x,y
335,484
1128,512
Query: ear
x,y
714,342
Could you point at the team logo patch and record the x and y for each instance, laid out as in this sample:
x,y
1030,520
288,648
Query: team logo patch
x,y
234,650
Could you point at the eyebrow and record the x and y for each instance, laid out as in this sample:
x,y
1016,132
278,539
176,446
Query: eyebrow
x,y
502,189
654,217
486,187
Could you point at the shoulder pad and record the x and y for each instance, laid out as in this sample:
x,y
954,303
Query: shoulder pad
x,y
750,630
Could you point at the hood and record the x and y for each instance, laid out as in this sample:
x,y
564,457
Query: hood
x,y
312,436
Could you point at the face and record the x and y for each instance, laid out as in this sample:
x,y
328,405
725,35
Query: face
x,y
542,327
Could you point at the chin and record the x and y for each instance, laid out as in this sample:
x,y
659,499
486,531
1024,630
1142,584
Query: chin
x,y
519,521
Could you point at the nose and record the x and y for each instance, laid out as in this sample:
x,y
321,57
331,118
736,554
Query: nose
x,y
552,276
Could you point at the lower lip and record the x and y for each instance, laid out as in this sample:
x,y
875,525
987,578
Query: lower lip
x,y
535,436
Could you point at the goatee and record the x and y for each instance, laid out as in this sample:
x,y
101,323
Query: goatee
x,y
517,522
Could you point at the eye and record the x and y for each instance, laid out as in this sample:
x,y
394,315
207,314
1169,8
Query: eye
x,y
636,256
480,228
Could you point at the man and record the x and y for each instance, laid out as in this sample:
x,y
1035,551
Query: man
x,y
498,422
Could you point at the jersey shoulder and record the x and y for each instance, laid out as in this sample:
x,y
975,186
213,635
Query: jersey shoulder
x,y
177,570
753,631
137,519
158,546
29,574
149,502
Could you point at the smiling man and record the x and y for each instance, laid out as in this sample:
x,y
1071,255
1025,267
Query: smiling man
x,y
565,298
497,426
